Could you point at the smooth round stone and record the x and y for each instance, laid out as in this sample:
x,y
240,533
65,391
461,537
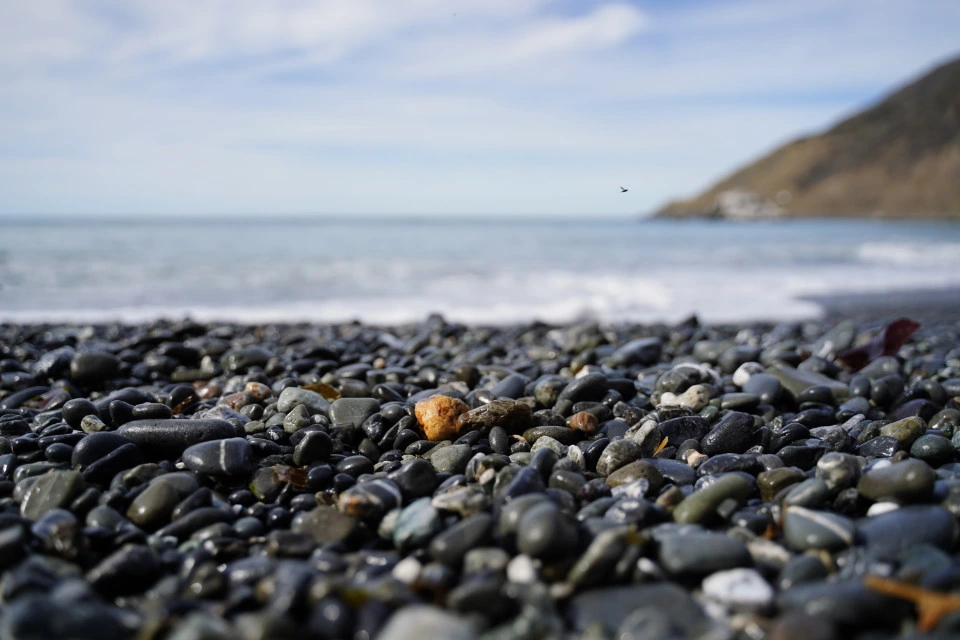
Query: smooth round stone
x,y
890,533
52,490
849,603
352,411
315,446
765,387
702,505
679,473
452,459
75,410
746,371
637,470
103,470
129,570
416,525
774,481
906,430
684,428
355,466
933,449
239,360
93,366
739,401
416,478
800,569
325,524
600,558
701,553
511,415
562,435
838,470
167,439
485,559
908,481
609,609
418,622
95,446
450,546
511,387
734,433
370,500
641,351
806,529
154,505
292,397
223,458
810,493
617,454
546,532
740,590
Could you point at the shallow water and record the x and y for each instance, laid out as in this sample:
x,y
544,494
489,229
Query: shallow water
x,y
495,271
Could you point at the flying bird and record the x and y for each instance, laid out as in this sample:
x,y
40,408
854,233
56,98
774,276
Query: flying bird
x,y
622,190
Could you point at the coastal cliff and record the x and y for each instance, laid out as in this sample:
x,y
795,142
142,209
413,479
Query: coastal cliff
x,y
898,158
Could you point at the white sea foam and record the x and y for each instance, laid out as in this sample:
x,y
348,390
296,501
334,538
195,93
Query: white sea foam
x,y
472,274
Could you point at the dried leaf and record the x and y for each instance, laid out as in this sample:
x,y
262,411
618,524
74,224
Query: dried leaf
x,y
931,605
292,475
661,446
885,343
328,392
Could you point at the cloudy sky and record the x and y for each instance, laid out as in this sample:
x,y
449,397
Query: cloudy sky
x,y
532,107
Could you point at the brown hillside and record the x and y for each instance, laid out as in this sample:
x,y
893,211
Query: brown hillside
x,y
899,158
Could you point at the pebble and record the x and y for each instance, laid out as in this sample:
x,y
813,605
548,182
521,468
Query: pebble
x,y
438,416
908,481
169,438
188,481
740,590
806,529
227,457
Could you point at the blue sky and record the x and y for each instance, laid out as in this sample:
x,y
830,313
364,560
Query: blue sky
x,y
448,107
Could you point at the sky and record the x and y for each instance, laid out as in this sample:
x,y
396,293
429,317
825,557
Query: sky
x,y
427,107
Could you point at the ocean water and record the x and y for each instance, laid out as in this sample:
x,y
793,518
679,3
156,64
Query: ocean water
x,y
486,271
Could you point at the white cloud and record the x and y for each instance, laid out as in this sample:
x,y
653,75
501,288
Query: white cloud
x,y
443,105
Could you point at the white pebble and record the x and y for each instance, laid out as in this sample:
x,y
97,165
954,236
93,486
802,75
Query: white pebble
x,y
407,570
881,507
522,570
744,371
739,590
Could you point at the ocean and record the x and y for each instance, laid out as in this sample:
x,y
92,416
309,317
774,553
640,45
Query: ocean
x,y
493,271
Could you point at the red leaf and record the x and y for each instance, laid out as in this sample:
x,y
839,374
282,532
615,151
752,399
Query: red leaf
x,y
885,343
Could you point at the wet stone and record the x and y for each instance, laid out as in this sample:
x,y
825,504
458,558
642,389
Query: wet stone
x,y
806,529
909,480
890,533
618,454
701,506
224,458
292,397
701,553
511,415
452,459
160,439
352,411
52,490
734,433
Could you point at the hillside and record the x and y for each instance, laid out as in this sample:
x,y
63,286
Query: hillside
x,y
899,158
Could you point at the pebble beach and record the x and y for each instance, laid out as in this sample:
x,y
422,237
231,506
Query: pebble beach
x,y
178,480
